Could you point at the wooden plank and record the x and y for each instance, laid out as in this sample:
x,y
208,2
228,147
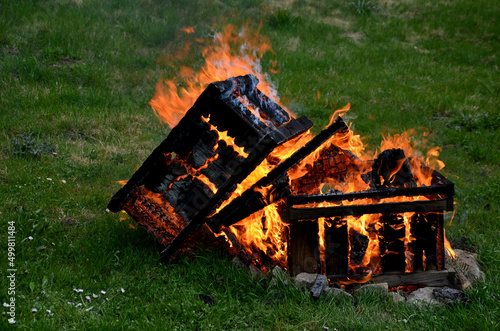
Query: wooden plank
x,y
218,176
203,149
227,155
445,277
304,248
392,247
380,193
336,248
424,230
440,255
268,109
295,213
427,278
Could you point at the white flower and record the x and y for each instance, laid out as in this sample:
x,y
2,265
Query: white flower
x,y
94,295
78,290
63,181
70,303
122,290
78,304
103,292
6,305
34,310
89,309
30,238
49,179
88,298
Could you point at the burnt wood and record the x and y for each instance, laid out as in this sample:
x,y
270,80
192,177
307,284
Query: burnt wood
x,y
193,170
359,243
442,187
384,168
303,248
336,247
294,213
252,200
428,278
445,277
392,247
440,254
424,246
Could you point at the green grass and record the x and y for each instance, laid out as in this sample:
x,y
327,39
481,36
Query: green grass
x,y
76,78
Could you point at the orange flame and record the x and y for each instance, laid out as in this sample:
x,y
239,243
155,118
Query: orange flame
x,y
451,253
188,29
223,136
232,53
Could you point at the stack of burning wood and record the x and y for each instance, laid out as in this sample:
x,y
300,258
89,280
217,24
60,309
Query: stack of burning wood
x,y
195,178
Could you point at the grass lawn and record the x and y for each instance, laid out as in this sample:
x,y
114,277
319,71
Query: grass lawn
x,y
76,77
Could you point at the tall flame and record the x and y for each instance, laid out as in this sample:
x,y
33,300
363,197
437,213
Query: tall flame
x,y
231,53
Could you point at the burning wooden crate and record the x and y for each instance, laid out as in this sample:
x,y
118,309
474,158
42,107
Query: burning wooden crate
x,y
395,229
230,129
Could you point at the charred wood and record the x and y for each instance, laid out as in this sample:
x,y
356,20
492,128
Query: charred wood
x,y
392,245
304,248
359,244
336,248
390,168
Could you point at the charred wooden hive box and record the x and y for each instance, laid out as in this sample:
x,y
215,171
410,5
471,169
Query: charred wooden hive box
x,y
407,227
229,130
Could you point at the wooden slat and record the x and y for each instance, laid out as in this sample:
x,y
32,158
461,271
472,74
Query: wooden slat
x,y
336,248
392,247
436,278
427,278
303,252
357,210
381,193
423,229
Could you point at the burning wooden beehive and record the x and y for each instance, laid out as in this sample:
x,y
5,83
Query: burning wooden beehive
x,y
230,129
330,212
380,231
